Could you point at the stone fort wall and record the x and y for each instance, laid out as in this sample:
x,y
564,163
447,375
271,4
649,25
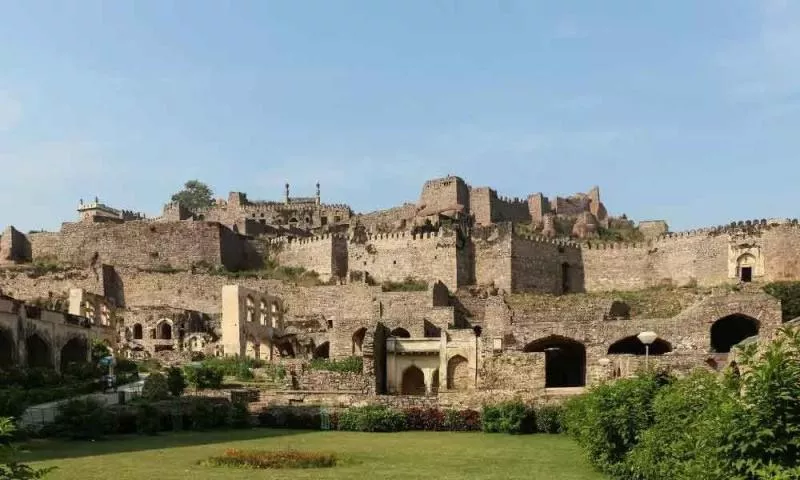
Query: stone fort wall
x,y
145,245
324,254
706,257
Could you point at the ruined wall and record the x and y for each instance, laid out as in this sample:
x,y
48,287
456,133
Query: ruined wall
x,y
492,251
325,254
547,266
389,220
444,193
140,243
14,246
395,257
488,208
513,371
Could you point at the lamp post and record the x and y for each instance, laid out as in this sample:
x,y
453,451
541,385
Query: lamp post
x,y
647,338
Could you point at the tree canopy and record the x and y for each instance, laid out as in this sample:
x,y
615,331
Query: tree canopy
x,y
195,194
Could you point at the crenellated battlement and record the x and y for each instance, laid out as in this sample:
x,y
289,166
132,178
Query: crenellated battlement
x,y
551,241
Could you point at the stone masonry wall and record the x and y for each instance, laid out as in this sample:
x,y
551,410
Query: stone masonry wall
x,y
325,255
14,246
513,370
395,257
492,251
541,265
139,243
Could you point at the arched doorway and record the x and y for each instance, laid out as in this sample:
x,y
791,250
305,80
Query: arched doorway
x,y
728,331
745,265
358,341
138,333
39,353
458,377
164,330
633,346
74,351
413,381
400,333
322,351
565,361
7,349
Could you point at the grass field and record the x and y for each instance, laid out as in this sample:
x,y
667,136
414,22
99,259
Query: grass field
x,y
363,456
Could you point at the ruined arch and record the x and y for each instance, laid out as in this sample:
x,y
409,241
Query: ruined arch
x,y
263,312
7,349
40,355
400,333
138,332
322,350
745,267
164,330
358,341
76,350
565,360
633,346
250,307
252,348
413,382
458,377
730,330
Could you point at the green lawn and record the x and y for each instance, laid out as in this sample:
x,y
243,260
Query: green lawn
x,y
364,456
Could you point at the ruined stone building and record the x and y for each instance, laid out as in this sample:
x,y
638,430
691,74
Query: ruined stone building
x,y
510,296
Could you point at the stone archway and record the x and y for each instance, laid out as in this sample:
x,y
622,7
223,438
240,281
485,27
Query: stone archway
x,y
413,382
7,349
400,333
75,351
729,331
565,361
322,351
358,341
164,330
458,377
40,355
138,332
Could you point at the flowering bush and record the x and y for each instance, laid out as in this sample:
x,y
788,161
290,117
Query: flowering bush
x,y
266,459
424,419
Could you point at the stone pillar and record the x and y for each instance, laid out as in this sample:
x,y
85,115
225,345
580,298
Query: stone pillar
x,y
391,367
443,362
428,374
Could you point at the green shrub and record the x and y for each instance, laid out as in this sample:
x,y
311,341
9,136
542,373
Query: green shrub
x,y
608,421
204,376
410,284
349,364
148,365
789,295
373,418
155,387
253,459
509,417
548,418
244,373
209,413
462,420
306,418
83,419
10,466
176,383
148,419
240,415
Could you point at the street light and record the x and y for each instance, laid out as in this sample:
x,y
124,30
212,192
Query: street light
x,y
647,338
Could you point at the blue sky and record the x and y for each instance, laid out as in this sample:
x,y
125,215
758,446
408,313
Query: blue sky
x,y
681,110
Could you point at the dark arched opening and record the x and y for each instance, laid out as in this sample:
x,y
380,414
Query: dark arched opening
x,y
39,354
565,361
7,349
633,346
565,281
458,376
164,331
74,351
400,332
728,331
137,331
413,381
358,341
322,351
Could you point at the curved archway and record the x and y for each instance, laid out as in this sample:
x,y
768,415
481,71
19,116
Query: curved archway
x,y
164,330
7,349
458,377
745,267
358,341
565,361
39,353
250,308
263,312
252,348
413,382
633,346
400,333
74,351
138,332
322,351
728,331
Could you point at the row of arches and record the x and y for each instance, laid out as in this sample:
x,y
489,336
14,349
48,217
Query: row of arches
x,y
412,381
266,315
39,353
565,358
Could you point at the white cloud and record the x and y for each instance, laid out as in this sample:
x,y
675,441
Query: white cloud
x,y
10,111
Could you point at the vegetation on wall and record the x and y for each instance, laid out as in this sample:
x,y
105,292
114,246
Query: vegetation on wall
x,y
620,230
349,364
410,284
195,195
744,425
789,295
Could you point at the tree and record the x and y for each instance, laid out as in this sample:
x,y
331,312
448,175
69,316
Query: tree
x,y
176,381
10,466
195,194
